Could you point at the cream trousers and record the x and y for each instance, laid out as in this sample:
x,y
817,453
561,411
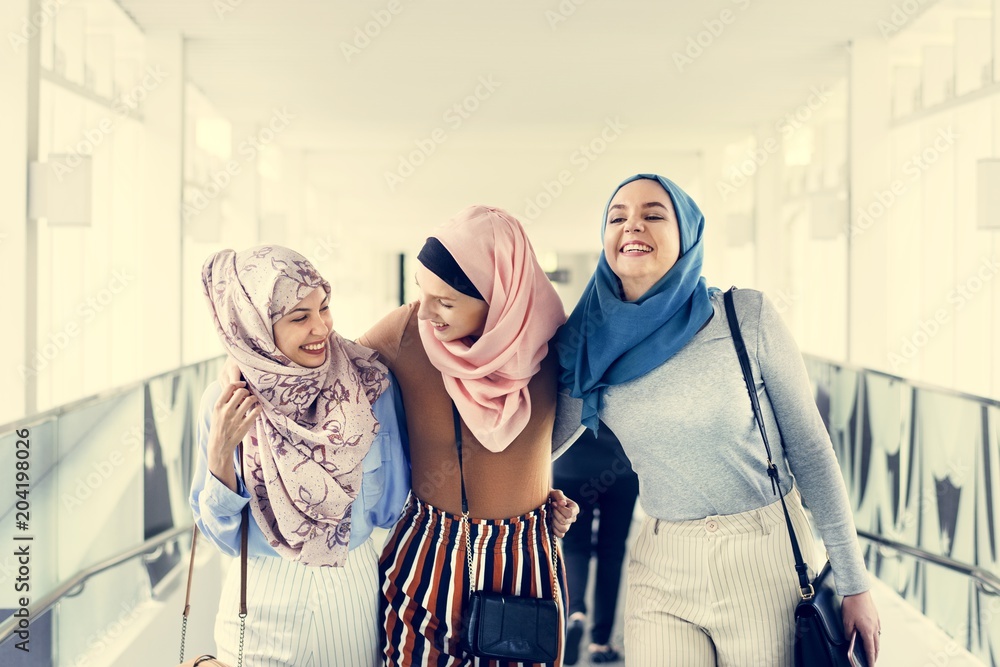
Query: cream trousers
x,y
716,591
303,616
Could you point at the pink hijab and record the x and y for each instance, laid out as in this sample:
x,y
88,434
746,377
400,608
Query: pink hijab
x,y
489,379
302,457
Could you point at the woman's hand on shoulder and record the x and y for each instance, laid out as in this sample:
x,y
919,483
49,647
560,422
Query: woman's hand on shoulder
x,y
564,511
232,416
860,614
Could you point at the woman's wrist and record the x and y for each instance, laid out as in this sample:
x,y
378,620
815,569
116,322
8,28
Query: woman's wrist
x,y
223,469
854,595
219,463
218,451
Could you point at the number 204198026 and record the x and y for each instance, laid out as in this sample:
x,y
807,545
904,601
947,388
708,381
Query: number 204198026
x,y
22,475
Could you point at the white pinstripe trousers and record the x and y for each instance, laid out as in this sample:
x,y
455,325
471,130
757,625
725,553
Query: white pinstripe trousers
x,y
303,616
716,591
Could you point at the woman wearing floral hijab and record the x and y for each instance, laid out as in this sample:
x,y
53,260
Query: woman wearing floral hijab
x,y
473,354
711,578
322,463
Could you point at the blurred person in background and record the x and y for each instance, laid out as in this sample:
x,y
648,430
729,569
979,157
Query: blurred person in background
x,y
596,471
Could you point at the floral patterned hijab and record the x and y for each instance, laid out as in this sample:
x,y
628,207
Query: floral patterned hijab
x,y
302,457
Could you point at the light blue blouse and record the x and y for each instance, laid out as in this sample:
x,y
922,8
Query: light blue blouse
x,y
384,486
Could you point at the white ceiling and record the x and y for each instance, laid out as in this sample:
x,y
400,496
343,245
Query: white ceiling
x,y
558,84
606,59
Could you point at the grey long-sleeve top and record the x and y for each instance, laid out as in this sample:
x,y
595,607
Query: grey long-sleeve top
x,y
689,430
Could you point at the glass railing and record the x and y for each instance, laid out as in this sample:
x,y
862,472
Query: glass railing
x,y
922,466
103,475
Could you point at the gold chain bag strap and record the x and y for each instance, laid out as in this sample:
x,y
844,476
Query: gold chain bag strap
x,y
209,660
503,626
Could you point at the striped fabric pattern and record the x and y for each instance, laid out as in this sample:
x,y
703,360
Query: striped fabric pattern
x,y
425,582
716,591
303,616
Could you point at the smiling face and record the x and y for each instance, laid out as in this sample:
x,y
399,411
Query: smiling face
x,y
302,334
453,315
641,239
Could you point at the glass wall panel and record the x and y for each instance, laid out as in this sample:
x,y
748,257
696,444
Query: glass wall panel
x,y
921,467
105,475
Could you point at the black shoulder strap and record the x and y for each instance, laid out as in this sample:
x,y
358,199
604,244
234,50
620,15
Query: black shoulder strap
x,y
458,445
772,470
244,549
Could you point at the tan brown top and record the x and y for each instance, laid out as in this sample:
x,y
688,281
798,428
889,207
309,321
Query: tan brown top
x,y
499,485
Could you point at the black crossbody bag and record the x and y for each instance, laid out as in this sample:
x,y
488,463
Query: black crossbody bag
x,y
503,626
819,626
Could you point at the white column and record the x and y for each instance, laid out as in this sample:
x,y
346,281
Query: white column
x,y
868,122
772,250
14,266
161,225
241,219
728,207
293,183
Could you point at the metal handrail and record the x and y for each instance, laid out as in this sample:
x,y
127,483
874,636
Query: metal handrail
x,y
910,382
985,578
9,627
93,399
74,585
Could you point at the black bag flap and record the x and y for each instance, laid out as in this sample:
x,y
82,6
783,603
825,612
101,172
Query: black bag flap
x,y
825,606
514,625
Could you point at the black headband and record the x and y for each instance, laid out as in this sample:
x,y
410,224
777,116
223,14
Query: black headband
x,y
439,261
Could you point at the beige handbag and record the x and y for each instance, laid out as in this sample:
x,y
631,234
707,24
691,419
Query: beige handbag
x,y
209,660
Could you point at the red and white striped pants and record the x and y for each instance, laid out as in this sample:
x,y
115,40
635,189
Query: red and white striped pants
x,y
425,580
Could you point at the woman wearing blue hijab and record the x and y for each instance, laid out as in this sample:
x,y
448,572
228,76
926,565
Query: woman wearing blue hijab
x,y
648,349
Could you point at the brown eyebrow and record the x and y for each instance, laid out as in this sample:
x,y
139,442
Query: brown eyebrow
x,y
646,205
306,310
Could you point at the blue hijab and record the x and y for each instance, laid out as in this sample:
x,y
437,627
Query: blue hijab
x,y
608,341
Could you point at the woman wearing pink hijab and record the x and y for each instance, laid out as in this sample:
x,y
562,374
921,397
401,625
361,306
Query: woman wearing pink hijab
x,y
479,381
322,463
